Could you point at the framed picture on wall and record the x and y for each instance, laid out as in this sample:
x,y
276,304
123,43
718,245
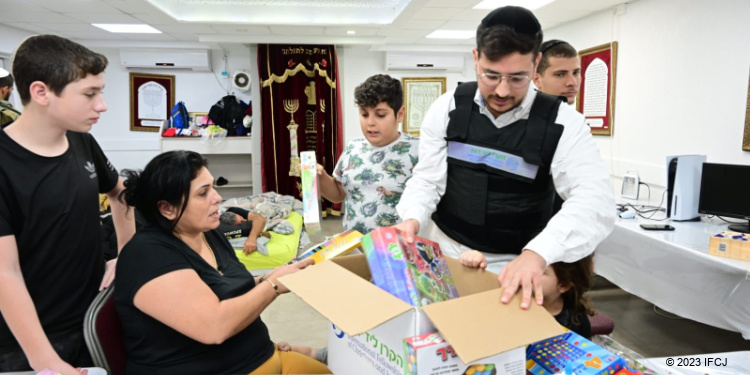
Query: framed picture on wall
x,y
419,94
596,99
199,118
151,99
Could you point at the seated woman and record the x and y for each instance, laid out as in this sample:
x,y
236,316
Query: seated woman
x,y
187,305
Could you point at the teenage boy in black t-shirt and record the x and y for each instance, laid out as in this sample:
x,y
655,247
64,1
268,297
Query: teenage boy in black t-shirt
x,y
51,263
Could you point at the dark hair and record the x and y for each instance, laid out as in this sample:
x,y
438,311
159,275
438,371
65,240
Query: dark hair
x,y
377,89
53,60
6,81
498,41
554,48
166,178
577,276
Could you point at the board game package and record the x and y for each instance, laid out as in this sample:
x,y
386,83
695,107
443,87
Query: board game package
x,y
571,353
417,273
340,244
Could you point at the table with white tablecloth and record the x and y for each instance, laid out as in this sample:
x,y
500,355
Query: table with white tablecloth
x,y
674,271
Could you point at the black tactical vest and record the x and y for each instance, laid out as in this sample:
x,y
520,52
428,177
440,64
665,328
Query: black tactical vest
x,y
490,209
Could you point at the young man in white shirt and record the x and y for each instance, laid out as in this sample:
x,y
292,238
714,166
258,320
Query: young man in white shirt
x,y
559,70
492,155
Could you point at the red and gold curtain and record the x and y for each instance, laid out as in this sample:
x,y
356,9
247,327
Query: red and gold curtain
x,y
301,111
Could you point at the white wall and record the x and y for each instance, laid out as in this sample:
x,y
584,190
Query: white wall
x,y
356,64
11,37
682,81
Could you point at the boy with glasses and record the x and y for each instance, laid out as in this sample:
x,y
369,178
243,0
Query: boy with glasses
x,y
559,70
492,155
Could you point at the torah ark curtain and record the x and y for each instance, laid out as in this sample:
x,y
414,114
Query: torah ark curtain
x,y
301,111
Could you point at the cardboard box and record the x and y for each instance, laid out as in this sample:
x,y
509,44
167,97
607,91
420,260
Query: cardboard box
x,y
341,244
310,193
369,324
729,244
430,354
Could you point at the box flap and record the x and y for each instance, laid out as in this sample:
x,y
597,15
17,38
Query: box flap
x,y
479,325
469,280
347,300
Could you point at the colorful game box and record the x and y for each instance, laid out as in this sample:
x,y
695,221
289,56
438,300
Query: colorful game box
x,y
417,274
436,356
387,265
571,353
341,244
310,193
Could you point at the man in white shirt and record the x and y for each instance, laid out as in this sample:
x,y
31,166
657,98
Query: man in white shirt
x,y
492,155
559,70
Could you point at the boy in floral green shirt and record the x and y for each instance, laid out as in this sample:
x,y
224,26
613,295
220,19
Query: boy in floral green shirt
x,y
372,171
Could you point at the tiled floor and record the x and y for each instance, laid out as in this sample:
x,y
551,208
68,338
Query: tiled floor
x,y
638,326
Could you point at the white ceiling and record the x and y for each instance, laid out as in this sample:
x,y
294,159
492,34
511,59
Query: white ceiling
x,y
273,21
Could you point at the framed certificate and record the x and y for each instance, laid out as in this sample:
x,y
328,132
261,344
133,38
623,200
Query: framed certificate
x,y
596,99
419,93
151,99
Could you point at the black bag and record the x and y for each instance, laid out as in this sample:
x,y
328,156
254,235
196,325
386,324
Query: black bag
x,y
228,113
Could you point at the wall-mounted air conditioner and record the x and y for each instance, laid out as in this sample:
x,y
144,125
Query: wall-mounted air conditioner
x,y
451,62
191,59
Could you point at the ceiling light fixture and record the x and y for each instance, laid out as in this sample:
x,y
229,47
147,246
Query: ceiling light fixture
x,y
127,28
451,34
528,4
283,12
351,32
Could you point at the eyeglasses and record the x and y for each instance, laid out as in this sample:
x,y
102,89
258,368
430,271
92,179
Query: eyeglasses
x,y
515,81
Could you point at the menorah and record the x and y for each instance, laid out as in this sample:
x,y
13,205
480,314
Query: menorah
x,y
422,98
152,98
291,106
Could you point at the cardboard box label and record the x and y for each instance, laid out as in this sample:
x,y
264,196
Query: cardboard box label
x,y
377,351
430,354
